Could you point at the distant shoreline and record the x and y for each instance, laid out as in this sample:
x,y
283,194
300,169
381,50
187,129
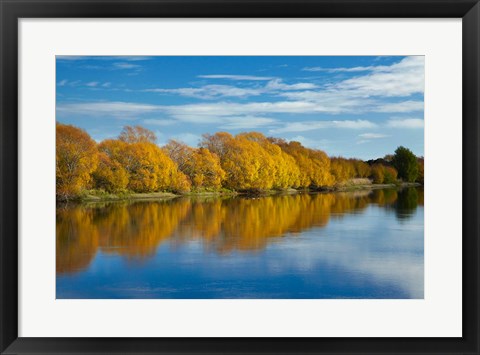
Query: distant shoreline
x,y
153,196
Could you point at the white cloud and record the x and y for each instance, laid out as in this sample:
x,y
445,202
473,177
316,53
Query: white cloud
x,y
400,79
404,106
314,125
62,83
192,112
214,112
160,122
210,91
372,135
132,58
92,84
414,123
122,65
236,77
339,70
246,122
108,109
217,91
277,84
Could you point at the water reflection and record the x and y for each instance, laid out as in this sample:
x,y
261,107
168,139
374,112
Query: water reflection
x,y
222,225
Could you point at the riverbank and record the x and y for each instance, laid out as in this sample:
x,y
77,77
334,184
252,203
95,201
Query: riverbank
x,y
100,196
347,188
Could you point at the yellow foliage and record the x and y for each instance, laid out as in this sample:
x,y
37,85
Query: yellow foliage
x,y
110,174
76,158
149,168
201,166
313,165
247,161
378,174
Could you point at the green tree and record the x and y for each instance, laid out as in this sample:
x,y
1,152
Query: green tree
x,y
406,164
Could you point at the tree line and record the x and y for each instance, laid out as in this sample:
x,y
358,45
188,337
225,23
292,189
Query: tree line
x,y
244,162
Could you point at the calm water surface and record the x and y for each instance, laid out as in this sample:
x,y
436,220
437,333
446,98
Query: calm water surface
x,y
343,245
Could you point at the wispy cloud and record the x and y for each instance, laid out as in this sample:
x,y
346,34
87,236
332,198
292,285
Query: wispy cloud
x,y
414,123
105,109
400,79
160,122
403,106
247,122
339,70
124,65
278,84
218,91
372,135
314,125
79,83
216,111
236,77
210,91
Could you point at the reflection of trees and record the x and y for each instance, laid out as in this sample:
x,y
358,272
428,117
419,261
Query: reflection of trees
x,y
384,197
406,203
135,230
77,239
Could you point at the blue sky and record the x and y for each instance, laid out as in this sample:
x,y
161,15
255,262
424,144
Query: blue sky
x,y
351,106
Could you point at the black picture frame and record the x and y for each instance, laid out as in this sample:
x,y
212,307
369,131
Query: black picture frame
x,y
12,11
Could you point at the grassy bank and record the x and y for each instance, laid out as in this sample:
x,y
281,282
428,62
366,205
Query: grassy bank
x,y
98,195
356,185
94,195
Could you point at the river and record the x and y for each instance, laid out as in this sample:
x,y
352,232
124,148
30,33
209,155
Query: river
x,y
363,244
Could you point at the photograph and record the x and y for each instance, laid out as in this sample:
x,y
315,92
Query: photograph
x,y
239,177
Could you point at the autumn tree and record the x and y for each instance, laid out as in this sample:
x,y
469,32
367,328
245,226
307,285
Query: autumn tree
x,y
406,164
342,169
377,174
202,167
362,169
179,152
148,167
76,159
284,170
246,164
110,175
389,175
217,143
314,165
137,134
382,174
247,161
